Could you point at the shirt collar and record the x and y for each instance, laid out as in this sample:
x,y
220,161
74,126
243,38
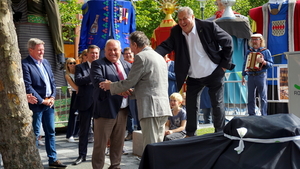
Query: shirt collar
x,y
36,61
257,49
89,63
193,31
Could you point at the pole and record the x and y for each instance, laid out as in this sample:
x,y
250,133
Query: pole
x,y
202,12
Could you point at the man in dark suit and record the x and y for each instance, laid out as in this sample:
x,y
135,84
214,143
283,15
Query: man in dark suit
x,y
39,81
110,111
203,53
84,100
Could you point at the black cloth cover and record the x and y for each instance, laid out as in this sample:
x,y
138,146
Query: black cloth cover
x,y
238,27
215,151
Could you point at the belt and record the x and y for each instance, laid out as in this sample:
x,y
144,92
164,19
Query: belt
x,y
256,74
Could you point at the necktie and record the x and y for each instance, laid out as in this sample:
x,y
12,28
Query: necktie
x,y
118,68
120,74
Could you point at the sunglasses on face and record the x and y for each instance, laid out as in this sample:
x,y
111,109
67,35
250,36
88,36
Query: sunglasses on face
x,y
72,63
255,39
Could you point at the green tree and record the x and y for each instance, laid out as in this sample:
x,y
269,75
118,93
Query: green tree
x,y
69,11
149,15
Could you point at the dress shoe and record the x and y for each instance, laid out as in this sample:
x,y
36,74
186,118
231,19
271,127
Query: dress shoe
x,y
57,164
124,151
91,139
128,137
79,160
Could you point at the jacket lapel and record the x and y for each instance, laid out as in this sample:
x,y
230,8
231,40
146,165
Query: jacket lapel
x,y
36,68
199,31
125,66
201,34
87,67
112,67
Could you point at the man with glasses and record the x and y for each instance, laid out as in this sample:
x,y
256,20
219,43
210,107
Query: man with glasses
x,y
128,55
257,72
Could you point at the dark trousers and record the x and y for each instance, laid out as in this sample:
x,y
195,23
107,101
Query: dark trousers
x,y
215,84
206,115
73,125
130,126
84,127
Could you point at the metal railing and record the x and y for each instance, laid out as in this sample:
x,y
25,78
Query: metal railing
x,y
62,106
235,96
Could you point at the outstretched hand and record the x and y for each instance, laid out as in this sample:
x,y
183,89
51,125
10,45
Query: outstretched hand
x,y
105,85
126,93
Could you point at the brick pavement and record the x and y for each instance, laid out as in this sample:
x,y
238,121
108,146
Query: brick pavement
x,y
68,153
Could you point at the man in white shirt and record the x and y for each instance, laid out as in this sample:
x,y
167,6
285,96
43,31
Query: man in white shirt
x,y
203,53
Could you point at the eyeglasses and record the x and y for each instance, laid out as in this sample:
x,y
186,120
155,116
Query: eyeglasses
x,y
72,63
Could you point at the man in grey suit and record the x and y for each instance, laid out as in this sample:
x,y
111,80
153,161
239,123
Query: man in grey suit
x,y
149,77
110,111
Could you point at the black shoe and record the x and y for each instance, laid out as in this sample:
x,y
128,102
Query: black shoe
x,y
57,164
79,160
128,137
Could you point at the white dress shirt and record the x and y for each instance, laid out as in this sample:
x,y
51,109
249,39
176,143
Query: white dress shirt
x,y
201,65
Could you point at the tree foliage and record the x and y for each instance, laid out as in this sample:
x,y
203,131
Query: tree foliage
x,y
69,11
149,14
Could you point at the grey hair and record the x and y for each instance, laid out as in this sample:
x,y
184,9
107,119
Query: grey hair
x,y
188,10
32,42
110,40
139,38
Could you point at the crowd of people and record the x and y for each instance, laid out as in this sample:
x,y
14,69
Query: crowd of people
x,y
113,94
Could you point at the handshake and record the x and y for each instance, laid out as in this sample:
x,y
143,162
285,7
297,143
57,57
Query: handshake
x,y
105,85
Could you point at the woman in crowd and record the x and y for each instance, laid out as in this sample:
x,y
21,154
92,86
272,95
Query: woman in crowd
x,y
69,76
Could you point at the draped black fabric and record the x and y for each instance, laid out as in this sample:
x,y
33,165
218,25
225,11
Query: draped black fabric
x,y
215,151
275,108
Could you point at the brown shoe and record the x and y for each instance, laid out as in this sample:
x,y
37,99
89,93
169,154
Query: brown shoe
x,y
128,137
57,164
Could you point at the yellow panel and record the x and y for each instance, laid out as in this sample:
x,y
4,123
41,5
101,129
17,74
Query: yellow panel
x,y
69,50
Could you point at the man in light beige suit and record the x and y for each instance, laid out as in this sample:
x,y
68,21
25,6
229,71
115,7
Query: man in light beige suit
x,y
149,77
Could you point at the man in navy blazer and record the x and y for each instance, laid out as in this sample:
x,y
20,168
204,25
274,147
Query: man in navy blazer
x,y
203,53
39,81
84,100
110,111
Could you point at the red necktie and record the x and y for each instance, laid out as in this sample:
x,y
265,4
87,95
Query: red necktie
x,y
120,74
118,68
